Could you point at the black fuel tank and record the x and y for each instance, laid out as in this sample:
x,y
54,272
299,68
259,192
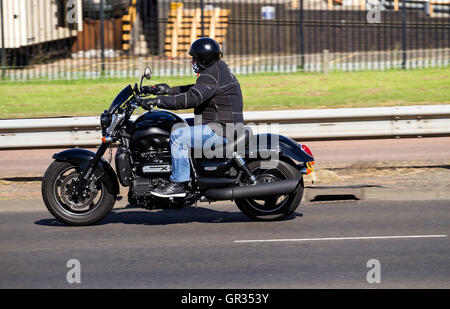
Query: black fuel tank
x,y
152,130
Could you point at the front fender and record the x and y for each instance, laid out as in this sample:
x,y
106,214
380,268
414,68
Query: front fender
x,y
82,158
266,145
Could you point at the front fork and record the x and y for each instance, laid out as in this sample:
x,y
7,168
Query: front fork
x,y
87,173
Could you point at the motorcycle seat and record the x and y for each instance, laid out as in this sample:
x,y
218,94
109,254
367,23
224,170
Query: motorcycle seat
x,y
237,143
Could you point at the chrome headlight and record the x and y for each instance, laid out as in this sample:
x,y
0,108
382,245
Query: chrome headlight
x,y
105,122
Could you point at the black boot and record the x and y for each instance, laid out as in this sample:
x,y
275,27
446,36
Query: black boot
x,y
173,189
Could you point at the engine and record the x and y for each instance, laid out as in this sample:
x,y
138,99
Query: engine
x,y
152,169
143,171
147,164
152,163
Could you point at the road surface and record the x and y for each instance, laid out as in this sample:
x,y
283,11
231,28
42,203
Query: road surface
x,y
324,245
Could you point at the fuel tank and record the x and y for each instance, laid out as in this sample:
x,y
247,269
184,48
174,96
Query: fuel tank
x,y
151,131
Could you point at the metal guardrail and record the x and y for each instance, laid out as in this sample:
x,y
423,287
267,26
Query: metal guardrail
x,y
317,124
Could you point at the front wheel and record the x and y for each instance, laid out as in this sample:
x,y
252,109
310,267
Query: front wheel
x,y
276,207
59,182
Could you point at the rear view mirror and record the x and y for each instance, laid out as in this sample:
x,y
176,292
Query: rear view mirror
x,y
148,73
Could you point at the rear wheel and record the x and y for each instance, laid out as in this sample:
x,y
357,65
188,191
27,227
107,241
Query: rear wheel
x,y
276,207
58,183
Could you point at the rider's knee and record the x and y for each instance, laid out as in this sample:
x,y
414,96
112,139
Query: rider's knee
x,y
179,136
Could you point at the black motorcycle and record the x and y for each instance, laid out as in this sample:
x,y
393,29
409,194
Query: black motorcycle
x,y
262,174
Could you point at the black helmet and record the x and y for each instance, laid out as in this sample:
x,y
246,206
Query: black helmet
x,y
205,51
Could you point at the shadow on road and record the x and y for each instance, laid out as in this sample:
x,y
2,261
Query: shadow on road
x,y
167,216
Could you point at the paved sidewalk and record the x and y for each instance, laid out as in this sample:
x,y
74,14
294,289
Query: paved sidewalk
x,y
369,169
383,180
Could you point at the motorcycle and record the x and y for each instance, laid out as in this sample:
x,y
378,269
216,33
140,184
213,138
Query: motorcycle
x,y
264,178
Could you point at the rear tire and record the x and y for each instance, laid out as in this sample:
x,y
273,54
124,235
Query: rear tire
x,y
276,207
56,186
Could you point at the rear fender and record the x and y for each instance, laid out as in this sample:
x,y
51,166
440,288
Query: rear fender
x,y
82,158
269,145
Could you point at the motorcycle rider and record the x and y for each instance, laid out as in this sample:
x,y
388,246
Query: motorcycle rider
x,y
217,101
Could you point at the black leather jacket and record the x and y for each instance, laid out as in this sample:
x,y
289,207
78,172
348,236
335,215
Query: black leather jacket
x,y
216,96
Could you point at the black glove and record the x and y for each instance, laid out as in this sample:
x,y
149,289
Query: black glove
x,y
148,104
162,89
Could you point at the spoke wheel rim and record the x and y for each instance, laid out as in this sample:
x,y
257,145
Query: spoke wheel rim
x,y
272,203
61,191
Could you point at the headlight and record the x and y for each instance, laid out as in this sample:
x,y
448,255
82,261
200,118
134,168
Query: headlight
x,y
105,122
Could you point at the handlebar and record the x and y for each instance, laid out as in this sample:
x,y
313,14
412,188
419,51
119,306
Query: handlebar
x,y
144,90
148,90
123,107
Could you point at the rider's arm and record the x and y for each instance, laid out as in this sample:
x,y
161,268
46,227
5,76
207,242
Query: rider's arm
x,y
164,89
203,90
180,89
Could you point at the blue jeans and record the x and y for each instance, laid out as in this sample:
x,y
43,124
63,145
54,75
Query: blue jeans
x,y
181,140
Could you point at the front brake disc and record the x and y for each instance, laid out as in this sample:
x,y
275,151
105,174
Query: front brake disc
x,y
67,185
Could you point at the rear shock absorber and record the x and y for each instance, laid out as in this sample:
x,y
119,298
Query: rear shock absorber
x,y
241,164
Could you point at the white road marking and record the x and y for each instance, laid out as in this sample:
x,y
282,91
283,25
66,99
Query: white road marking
x,y
340,238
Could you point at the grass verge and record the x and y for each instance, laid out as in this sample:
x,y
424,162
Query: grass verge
x,y
261,92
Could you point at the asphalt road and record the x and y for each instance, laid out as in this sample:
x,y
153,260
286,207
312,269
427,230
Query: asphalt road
x,y
325,245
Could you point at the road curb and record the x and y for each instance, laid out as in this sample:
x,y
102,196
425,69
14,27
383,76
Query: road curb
x,y
374,192
340,183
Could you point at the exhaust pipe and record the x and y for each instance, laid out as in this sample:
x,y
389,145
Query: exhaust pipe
x,y
253,191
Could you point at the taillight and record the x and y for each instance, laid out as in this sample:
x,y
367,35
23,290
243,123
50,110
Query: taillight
x,y
307,150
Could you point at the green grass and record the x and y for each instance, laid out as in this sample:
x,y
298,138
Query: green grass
x,y
261,92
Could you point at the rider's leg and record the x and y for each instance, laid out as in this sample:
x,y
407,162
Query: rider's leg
x,y
181,140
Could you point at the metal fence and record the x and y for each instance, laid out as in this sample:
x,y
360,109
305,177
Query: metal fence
x,y
71,39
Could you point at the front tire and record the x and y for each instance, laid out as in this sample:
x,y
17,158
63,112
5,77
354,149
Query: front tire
x,y
276,207
56,185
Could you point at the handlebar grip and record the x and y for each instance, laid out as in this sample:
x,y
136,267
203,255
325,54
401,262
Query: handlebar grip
x,y
147,104
148,90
